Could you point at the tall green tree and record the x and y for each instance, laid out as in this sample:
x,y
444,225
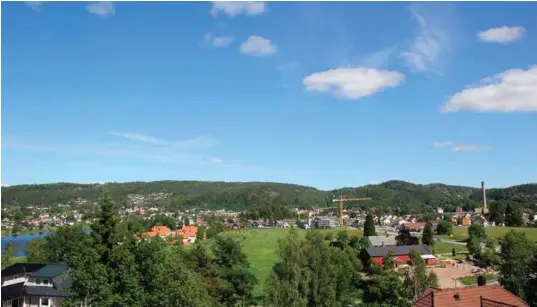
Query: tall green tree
x,y
7,255
384,289
513,216
428,236
417,281
444,227
369,226
405,238
36,251
517,257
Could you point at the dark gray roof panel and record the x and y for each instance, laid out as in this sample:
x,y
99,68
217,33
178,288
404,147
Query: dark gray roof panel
x,y
19,268
44,291
51,270
12,292
381,251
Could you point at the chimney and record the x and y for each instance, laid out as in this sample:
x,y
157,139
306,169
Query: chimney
x,y
484,196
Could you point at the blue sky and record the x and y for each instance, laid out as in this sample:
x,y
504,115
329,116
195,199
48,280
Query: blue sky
x,y
320,94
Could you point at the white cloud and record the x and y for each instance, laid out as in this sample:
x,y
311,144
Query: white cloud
x,y
502,35
139,137
5,185
459,147
34,5
374,182
428,46
442,144
232,9
258,46
513,90
378,59
197,142
217,161
103,8
352,83
218,41
469,148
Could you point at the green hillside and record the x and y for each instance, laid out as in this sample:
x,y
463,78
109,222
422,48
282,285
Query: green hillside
x,y
391,196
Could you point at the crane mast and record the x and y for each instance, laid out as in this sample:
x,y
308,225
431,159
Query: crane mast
x,y
341,200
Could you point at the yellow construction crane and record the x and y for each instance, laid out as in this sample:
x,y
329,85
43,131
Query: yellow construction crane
x,y
341,200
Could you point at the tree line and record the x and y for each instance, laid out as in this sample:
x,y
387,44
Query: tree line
x,y
395,197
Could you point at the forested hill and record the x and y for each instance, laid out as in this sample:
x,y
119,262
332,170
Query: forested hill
x,y
391,195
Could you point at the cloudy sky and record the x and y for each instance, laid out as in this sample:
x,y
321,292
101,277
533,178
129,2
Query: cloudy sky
x,y
321,94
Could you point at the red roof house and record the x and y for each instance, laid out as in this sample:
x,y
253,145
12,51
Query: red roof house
x,y
485,296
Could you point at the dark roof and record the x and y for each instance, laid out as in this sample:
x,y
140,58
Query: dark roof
x,y
51,270
44,291
381,251
18,268
12,292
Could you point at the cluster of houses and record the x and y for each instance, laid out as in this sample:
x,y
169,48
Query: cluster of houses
x,y
185,236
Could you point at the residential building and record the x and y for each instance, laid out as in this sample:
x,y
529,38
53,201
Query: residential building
x,y
401,253
485,296
35,284
325,222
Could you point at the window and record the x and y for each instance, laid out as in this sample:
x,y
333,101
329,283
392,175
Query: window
x,y
37,281
44,301
45,281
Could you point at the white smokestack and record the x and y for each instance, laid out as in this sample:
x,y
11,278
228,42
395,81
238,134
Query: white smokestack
x,y
484,196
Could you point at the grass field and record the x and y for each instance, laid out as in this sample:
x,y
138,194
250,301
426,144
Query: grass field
x,y
261,247
472,280
446,247
460,233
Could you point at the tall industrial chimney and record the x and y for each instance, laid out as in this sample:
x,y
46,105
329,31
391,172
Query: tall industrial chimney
x,y
484,197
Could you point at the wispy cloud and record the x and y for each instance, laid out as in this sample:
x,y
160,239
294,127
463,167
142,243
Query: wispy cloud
x,y
428,48
102,8
442,144
217,41
143,147
459,147
378,59
469,148
34,5
139,137
232,9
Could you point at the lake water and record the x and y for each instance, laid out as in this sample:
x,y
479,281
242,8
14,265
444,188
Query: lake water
x,y
19,242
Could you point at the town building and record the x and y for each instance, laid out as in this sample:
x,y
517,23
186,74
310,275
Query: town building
x,y
401,253
35,284
485,296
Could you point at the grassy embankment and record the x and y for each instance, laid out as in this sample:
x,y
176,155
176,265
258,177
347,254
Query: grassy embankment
x,y
472,280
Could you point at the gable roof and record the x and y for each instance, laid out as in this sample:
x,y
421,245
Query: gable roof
x,y
51,270
470,297
19,268
382,240
381,251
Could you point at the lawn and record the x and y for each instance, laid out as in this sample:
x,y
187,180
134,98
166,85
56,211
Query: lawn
x,y
441,247
472,280
261,247
460,233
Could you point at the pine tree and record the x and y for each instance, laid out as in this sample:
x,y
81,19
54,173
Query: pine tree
x,y
369,226
428,237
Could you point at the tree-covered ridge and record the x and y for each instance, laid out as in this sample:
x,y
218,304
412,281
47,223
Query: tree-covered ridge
x,y
392,196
